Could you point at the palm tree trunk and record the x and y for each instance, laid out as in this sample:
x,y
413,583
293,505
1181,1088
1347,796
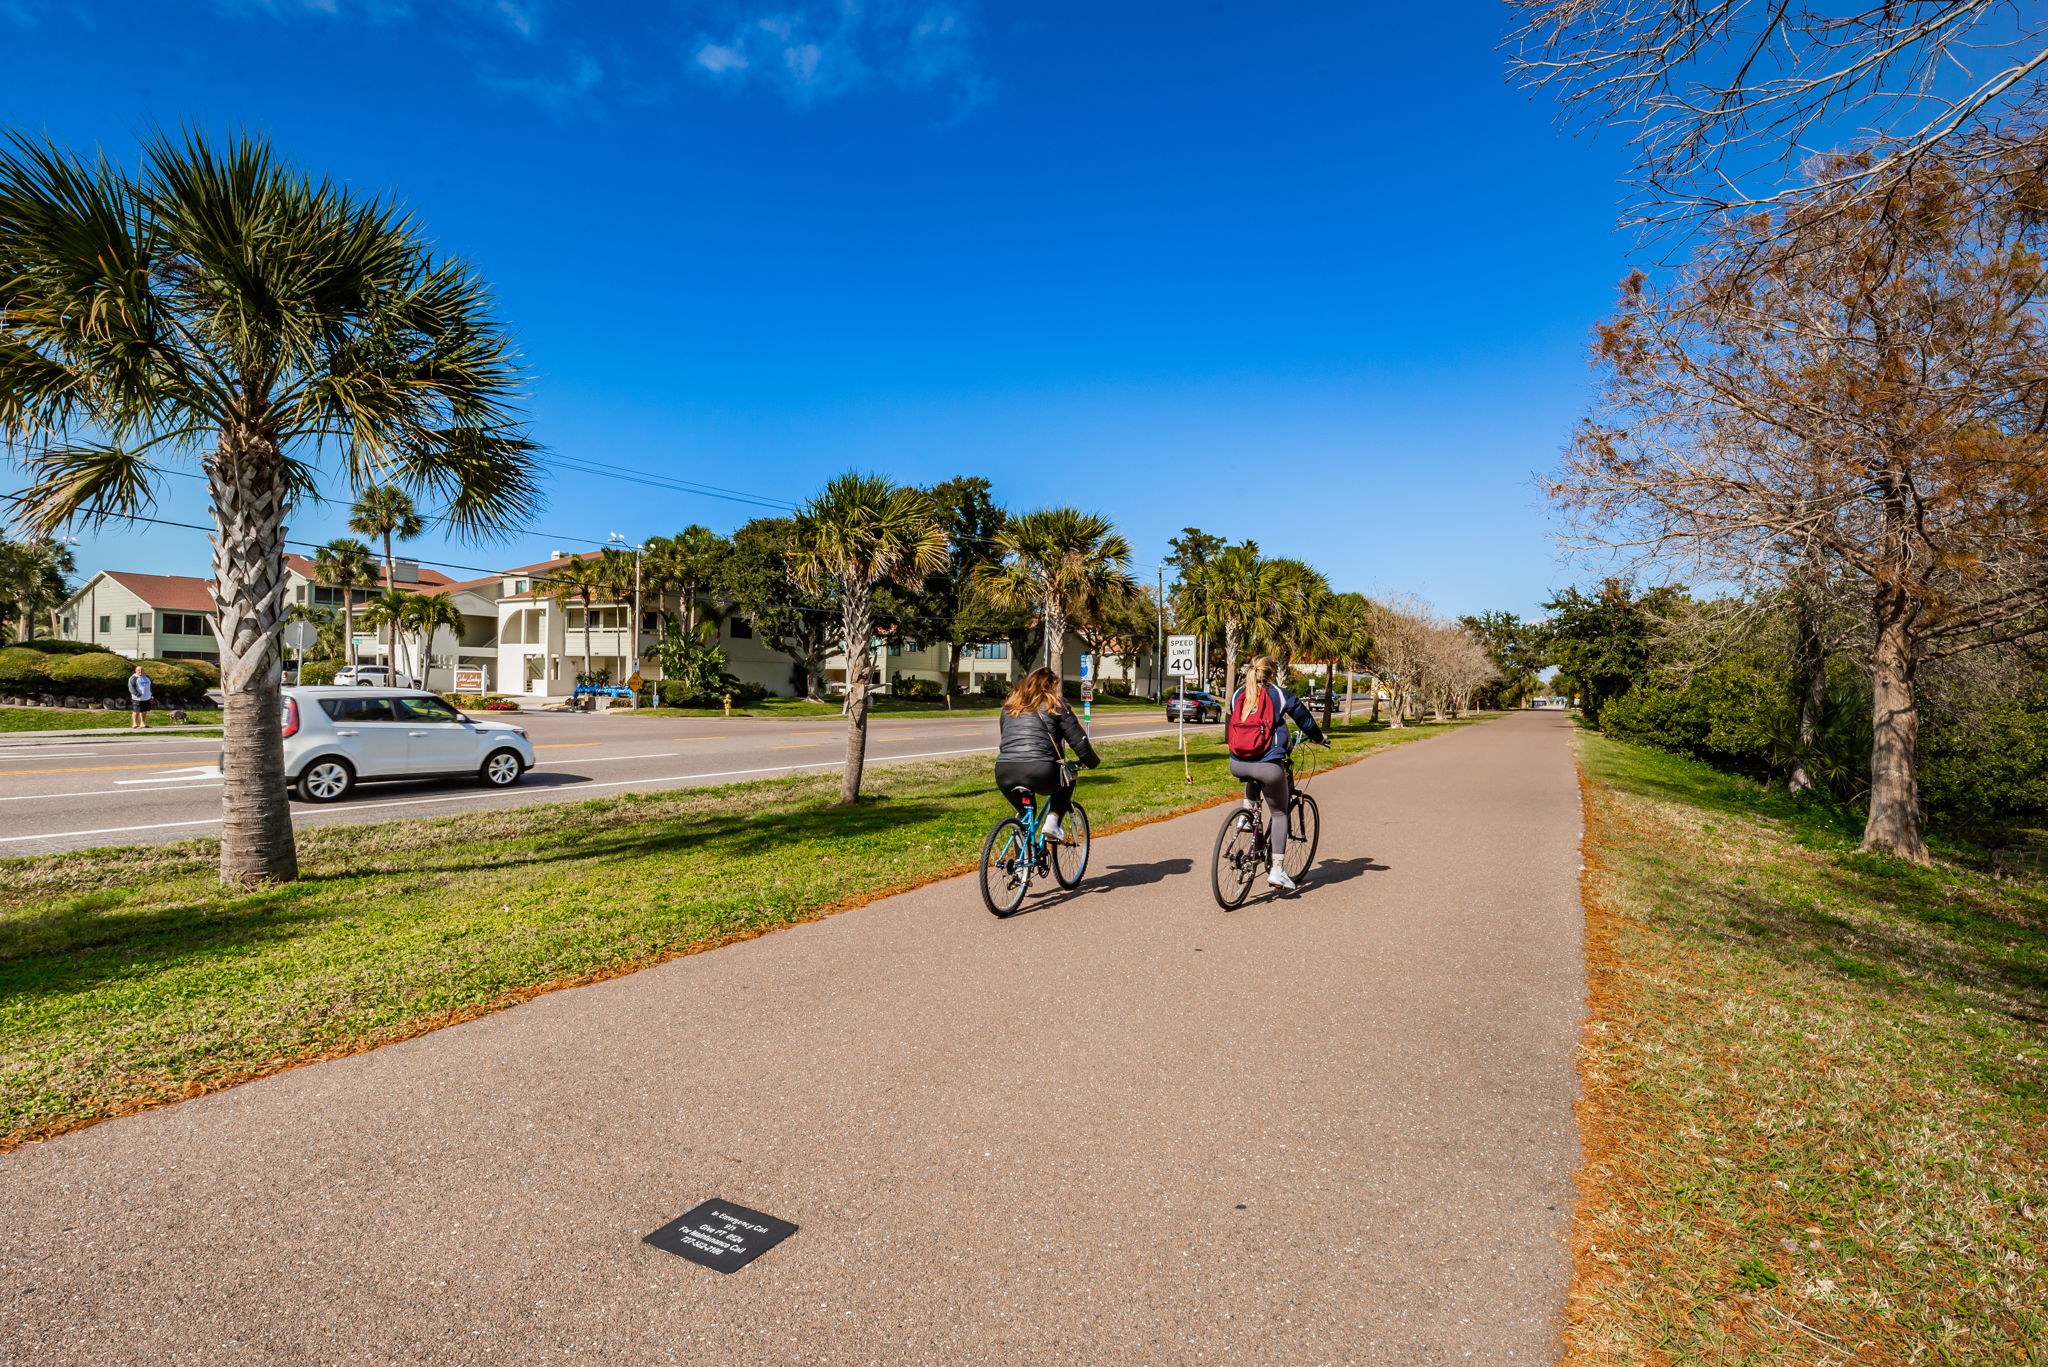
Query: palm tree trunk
x,y
1056,639
348,622
858,618
248,491
586,635
391,627
1229,658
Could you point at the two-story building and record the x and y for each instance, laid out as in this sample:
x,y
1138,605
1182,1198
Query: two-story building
x,y
143,616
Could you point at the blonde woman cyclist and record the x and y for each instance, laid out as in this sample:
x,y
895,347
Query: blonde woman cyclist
x,y
1036,725
1259,746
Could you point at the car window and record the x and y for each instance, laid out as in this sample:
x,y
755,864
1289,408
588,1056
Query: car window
x,y
425,709
358,709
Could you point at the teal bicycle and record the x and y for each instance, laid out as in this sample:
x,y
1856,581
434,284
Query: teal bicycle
x,y
1016,851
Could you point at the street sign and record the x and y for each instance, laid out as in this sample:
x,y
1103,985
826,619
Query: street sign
x,y
300,635
1180,657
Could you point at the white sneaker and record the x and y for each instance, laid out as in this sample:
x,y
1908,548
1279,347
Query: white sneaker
x,y
1052,830
1277,877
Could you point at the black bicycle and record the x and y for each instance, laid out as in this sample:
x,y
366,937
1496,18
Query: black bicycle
x,y
1244,848
1016,849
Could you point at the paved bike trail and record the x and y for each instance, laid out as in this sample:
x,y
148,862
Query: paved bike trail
x,y
1124,1127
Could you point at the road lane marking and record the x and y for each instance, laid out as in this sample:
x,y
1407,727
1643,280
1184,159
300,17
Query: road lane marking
x,y
596,759
512,792
199,771
90,792
813,745
86,769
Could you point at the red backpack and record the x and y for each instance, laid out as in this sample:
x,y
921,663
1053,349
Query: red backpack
x,y
1251,737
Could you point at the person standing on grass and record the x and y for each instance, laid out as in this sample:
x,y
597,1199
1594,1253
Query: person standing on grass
x,y
141,697
1036,724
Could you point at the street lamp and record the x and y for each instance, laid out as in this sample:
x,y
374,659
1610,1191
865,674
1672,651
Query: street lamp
x,y
633,664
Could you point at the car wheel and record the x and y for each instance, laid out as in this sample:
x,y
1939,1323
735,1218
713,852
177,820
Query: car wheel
x,y
501,769
326,780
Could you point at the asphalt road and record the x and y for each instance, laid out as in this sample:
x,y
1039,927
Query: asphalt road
x,y
1124,1129
80,794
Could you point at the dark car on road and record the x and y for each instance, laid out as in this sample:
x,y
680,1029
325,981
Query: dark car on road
x,y
1194,706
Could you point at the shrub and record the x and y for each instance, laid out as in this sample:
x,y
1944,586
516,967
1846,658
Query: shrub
x,y
995,689
680,693
23,670
57,647
1993,771
920,689
318,673
207,670
1114,688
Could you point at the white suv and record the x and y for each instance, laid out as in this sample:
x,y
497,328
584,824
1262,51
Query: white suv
x,y
335,738
372,676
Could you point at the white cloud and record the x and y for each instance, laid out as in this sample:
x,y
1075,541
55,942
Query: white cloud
x,y
809,50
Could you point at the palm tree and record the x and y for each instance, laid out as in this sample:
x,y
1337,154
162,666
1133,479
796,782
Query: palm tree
x,y
387,511
579,581
1234,596
1298,591
683,565
1056,561
860,531
221,305
1348,637
427,613
344,564
386,612
35,576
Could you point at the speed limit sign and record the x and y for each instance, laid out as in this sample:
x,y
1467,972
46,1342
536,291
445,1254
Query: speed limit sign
x,y
1180,657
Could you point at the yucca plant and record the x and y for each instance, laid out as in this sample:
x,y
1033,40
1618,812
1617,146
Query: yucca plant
x,y
861,531
218,306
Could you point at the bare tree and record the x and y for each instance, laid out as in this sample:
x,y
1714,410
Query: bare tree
x,y
1875,396
1725,98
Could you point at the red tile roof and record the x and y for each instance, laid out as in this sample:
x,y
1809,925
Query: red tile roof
x,y
178,592
303,566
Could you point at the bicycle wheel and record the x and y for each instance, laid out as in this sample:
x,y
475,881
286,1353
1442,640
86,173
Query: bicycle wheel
x,y
1304,829
1236,860
1070,856
1005,867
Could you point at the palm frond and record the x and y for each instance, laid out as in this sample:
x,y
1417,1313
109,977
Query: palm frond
x,y
83,484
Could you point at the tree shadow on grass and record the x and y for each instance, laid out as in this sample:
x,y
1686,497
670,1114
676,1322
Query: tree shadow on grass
x,y
84,940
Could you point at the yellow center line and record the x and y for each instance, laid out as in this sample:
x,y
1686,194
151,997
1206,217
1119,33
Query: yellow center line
x,y
88,769
812,746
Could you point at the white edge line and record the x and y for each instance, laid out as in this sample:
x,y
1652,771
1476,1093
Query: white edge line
x,y
510,792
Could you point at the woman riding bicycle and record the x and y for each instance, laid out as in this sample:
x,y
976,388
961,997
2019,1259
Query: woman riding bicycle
x,y
1036,723
1259,747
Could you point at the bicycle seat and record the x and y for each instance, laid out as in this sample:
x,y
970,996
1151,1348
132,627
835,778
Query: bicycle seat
x,y
1024,793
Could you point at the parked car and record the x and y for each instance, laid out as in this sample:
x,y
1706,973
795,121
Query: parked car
x,y
372,676
1194,706
335,738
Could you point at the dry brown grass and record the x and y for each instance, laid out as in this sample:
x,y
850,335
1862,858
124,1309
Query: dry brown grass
x,y
1814,1106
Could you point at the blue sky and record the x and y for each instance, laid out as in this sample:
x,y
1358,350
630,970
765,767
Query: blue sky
x,y
1317,277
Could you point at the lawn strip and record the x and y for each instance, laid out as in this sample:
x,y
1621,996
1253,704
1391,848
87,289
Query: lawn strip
x,y
128,978
33,719
1816,1086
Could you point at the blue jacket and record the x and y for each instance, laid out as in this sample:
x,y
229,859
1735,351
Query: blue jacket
x,y
1286,707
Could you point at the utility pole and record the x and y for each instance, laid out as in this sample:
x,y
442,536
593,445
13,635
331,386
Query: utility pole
x,y
633,628
1159,655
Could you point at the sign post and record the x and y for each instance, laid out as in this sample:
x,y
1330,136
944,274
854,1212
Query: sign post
x,y
1180,663
298,635
1087,689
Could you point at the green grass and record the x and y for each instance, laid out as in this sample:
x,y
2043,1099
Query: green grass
x,y
129,976
79,719
883,707
1817,1086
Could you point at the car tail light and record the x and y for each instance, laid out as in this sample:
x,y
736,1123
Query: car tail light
x,y
291,716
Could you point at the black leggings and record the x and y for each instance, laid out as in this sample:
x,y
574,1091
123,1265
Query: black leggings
x,y
1040,776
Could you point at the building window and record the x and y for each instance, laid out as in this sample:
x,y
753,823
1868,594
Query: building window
x,y
148,622
70,625
129,621
740,628
323,597
300,593
184,624
106,623
999,651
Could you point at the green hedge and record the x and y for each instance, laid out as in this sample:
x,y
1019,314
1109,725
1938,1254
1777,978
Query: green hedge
x,y
57,647
100,675
920,689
